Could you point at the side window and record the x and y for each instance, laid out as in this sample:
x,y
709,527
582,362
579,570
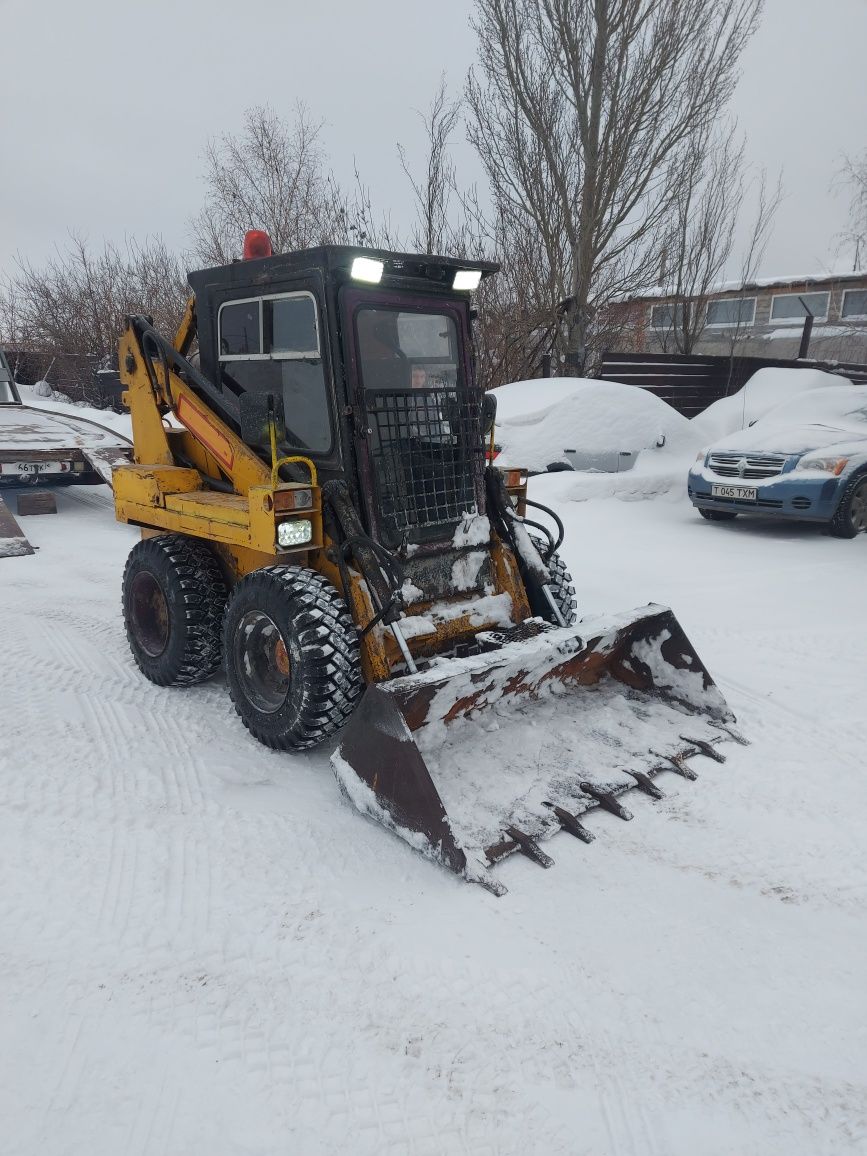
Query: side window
x,y
240,328
272,346
290,327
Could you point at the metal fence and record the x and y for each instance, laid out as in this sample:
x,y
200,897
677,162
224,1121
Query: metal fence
x,y
692,382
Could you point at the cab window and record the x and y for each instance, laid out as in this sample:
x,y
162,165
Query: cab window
x,y
271,345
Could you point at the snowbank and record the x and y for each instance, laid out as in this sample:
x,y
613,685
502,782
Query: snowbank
x,y
118,422
766,389
538,420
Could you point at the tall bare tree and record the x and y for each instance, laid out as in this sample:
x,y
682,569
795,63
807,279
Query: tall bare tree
x,y
698,243
273,176
854,177
583,113
435,190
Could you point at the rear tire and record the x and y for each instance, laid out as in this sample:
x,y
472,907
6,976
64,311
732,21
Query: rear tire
x,y
717,515
562,587
851,516
174,596
292,657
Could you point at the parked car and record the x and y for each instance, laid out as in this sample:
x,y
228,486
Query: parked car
x,y
587,425
804,459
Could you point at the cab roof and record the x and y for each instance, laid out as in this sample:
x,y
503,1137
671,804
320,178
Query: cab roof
x,y
335,262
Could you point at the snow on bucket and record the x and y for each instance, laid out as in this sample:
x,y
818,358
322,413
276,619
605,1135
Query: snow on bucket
x,y
472,758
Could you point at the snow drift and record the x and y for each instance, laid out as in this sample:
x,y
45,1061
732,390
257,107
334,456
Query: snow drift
x,y
765,390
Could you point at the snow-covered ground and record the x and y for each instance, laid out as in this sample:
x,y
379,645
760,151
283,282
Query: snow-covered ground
x,y
205,950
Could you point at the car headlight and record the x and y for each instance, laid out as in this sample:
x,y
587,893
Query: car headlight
x,y
295,533
826,465
701,455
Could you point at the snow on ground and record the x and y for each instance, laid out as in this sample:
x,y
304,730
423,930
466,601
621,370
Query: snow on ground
x,y
207,951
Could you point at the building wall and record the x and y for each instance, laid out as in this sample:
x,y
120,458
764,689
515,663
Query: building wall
x,y
834,339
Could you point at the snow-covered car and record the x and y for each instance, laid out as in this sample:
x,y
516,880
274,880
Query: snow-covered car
x,y
805,459
590,425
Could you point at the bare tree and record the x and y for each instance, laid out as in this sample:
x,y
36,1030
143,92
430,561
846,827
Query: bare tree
x,y
700,237
434,231
74,305
271,176
854,177
583,113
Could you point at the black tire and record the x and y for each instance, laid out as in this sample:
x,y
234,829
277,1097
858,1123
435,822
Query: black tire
x,y
718,515
292,657
851,516
562,587
174,596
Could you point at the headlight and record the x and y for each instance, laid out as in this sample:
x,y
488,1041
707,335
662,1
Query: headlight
x,y
467,280
700,456
826,465
367,269
295,533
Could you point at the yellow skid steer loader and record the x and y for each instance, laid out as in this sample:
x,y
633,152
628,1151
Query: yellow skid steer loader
x,y
318,515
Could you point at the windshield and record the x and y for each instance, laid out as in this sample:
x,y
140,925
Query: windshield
x,y
6,394
425,434
407,350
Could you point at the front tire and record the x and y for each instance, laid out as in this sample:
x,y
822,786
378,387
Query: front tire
x,y
174,596
851,516
292,657
717,515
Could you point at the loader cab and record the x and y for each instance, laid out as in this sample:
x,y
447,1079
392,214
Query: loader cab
x,y
370,352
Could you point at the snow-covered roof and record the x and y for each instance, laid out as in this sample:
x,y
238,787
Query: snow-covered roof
x,y
824,278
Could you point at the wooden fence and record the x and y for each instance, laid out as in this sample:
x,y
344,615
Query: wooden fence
x,y
691,382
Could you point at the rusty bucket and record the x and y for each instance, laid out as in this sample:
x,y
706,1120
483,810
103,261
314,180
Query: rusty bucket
x,y
475,758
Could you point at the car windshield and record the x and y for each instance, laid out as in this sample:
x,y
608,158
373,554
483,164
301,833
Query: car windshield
x,y
7,397
839,407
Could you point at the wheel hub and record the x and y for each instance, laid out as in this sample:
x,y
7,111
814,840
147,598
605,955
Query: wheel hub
x,y
149,614
262,662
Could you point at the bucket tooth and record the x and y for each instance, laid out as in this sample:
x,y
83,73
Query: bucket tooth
x,y
528,846
569,822
606,800
677,763
646,784
500,850
736,736
705,748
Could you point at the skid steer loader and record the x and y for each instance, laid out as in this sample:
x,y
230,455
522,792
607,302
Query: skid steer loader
x,y
317,514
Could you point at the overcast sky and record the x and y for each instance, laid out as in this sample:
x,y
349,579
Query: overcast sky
x,y
106,106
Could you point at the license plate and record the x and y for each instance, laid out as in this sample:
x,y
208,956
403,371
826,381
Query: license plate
x,y
40,467
742,493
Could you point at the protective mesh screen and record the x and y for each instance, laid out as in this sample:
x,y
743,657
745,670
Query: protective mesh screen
x,y
428,454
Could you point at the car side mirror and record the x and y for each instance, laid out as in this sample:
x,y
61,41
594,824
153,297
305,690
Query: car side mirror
x,y
258,411
489,411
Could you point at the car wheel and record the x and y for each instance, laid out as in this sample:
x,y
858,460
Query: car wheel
x,y
718,515
851,516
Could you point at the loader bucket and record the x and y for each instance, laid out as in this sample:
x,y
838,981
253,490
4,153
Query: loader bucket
x,y
477,757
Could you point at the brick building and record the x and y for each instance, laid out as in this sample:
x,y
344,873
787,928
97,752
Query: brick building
x,y
762,318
